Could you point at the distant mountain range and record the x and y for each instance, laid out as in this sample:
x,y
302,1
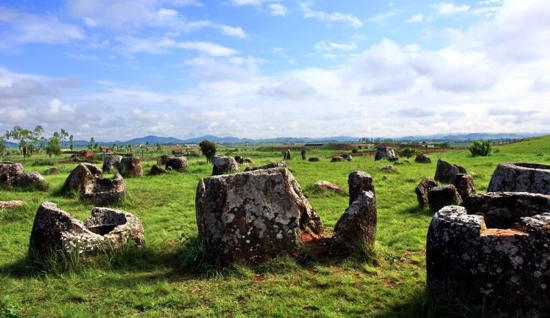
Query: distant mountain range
x,y
153,140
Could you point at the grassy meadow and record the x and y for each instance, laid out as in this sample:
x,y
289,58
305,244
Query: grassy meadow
x,y
158,281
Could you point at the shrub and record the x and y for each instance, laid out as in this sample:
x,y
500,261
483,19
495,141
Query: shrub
x,y
481,148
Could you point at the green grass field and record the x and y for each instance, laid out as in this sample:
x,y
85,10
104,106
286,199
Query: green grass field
x,y
154,281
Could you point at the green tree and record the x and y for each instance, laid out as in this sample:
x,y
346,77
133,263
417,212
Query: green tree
x,y
208,149
2,146
408,152
71,145
159,148
481,148
91,144
53,147
28,139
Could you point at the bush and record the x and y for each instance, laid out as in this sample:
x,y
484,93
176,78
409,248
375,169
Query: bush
x,y
481,148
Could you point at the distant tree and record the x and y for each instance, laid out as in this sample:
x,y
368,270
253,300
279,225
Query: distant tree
x,y
208,149
91,144
481,148
408,152
159,148
53,147
2,146
71,145
28,140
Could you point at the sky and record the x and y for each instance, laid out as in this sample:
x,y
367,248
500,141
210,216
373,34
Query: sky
x,y
120,69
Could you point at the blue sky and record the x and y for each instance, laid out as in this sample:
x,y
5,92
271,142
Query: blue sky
x,y
119,69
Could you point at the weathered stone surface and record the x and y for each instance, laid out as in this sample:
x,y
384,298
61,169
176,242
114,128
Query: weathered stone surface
x,y
347,157
422,191
385,153
521,177
328,186
177,163
286,155
388,168
304,154
253,216
161,161
356,229
446,172
438,197
313,159
12,204
104,191
9,173
336,159
505,272
239,159
156,170
87,180
464,184
83,174
223,165
56,231
248,160
32,180
500,208
111,162
422,158
116,226
359,182
130,167
267,166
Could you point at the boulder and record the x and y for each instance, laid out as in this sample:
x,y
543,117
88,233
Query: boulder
x,y
359,182
347,157
83,174
388,168
502,272
104,191
356,229
464,184
9,173
32,180
446,172
177,163
501,207
304,154
438,197
385,153
161,161
86,179
328,186
336,159
56,231
286,155
422,158
248,160
111,162
253,216
156,170
521,177
422,190
223,165
130,167
267,166
313,159
12,204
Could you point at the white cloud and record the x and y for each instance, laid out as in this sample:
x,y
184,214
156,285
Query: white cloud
x,y
382,18
292,88
331,17
415,18
278,9
246,2
324,46
448,8
24,28
233,31
186,3
208,48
